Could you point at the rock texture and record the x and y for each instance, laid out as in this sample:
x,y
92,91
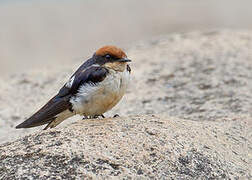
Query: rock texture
x,y
133,147
186,115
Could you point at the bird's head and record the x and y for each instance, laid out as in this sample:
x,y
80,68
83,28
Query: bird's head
x,y
111,57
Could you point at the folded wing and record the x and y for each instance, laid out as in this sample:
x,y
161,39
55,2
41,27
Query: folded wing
x,y
61,101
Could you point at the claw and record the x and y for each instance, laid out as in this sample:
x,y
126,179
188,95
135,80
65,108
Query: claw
x,y
116,115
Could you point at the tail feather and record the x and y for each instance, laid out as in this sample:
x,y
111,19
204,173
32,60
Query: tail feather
x,y
29,124
48,125
48,112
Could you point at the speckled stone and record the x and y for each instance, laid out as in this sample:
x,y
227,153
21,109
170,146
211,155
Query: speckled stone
x,y
135,147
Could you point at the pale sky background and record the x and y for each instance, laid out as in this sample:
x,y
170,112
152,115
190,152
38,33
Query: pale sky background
x,y
38,34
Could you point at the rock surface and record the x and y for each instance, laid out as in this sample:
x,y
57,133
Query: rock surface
x,y
133,147
198,85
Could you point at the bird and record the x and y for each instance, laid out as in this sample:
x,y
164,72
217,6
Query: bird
x,y
95,88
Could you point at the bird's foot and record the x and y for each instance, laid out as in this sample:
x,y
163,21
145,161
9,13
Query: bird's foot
x,y
85,117
116,115
97,116
93,117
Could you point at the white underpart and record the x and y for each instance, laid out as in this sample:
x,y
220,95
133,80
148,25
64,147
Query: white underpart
x,y
96,99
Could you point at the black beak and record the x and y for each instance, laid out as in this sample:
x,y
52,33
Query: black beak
x,y
124,60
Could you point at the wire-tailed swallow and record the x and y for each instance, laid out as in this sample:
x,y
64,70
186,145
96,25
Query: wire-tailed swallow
x,y
96,87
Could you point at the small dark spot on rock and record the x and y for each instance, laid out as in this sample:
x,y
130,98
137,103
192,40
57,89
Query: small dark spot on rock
x,y
54,133
152,149
204,86
167,77
113,165
206,147
14,117
151,80
153,154
184,160
24,81
146,101
115,173
58,143
150,132
139,171
235,152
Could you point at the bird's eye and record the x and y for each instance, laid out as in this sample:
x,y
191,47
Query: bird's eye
x,y
108,56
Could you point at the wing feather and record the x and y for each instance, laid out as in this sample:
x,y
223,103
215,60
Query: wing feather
x,y
92,74
61,102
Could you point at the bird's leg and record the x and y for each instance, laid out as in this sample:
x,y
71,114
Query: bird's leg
x,y
116,115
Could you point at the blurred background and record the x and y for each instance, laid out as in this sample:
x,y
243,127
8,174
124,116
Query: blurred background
x,y
40,34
